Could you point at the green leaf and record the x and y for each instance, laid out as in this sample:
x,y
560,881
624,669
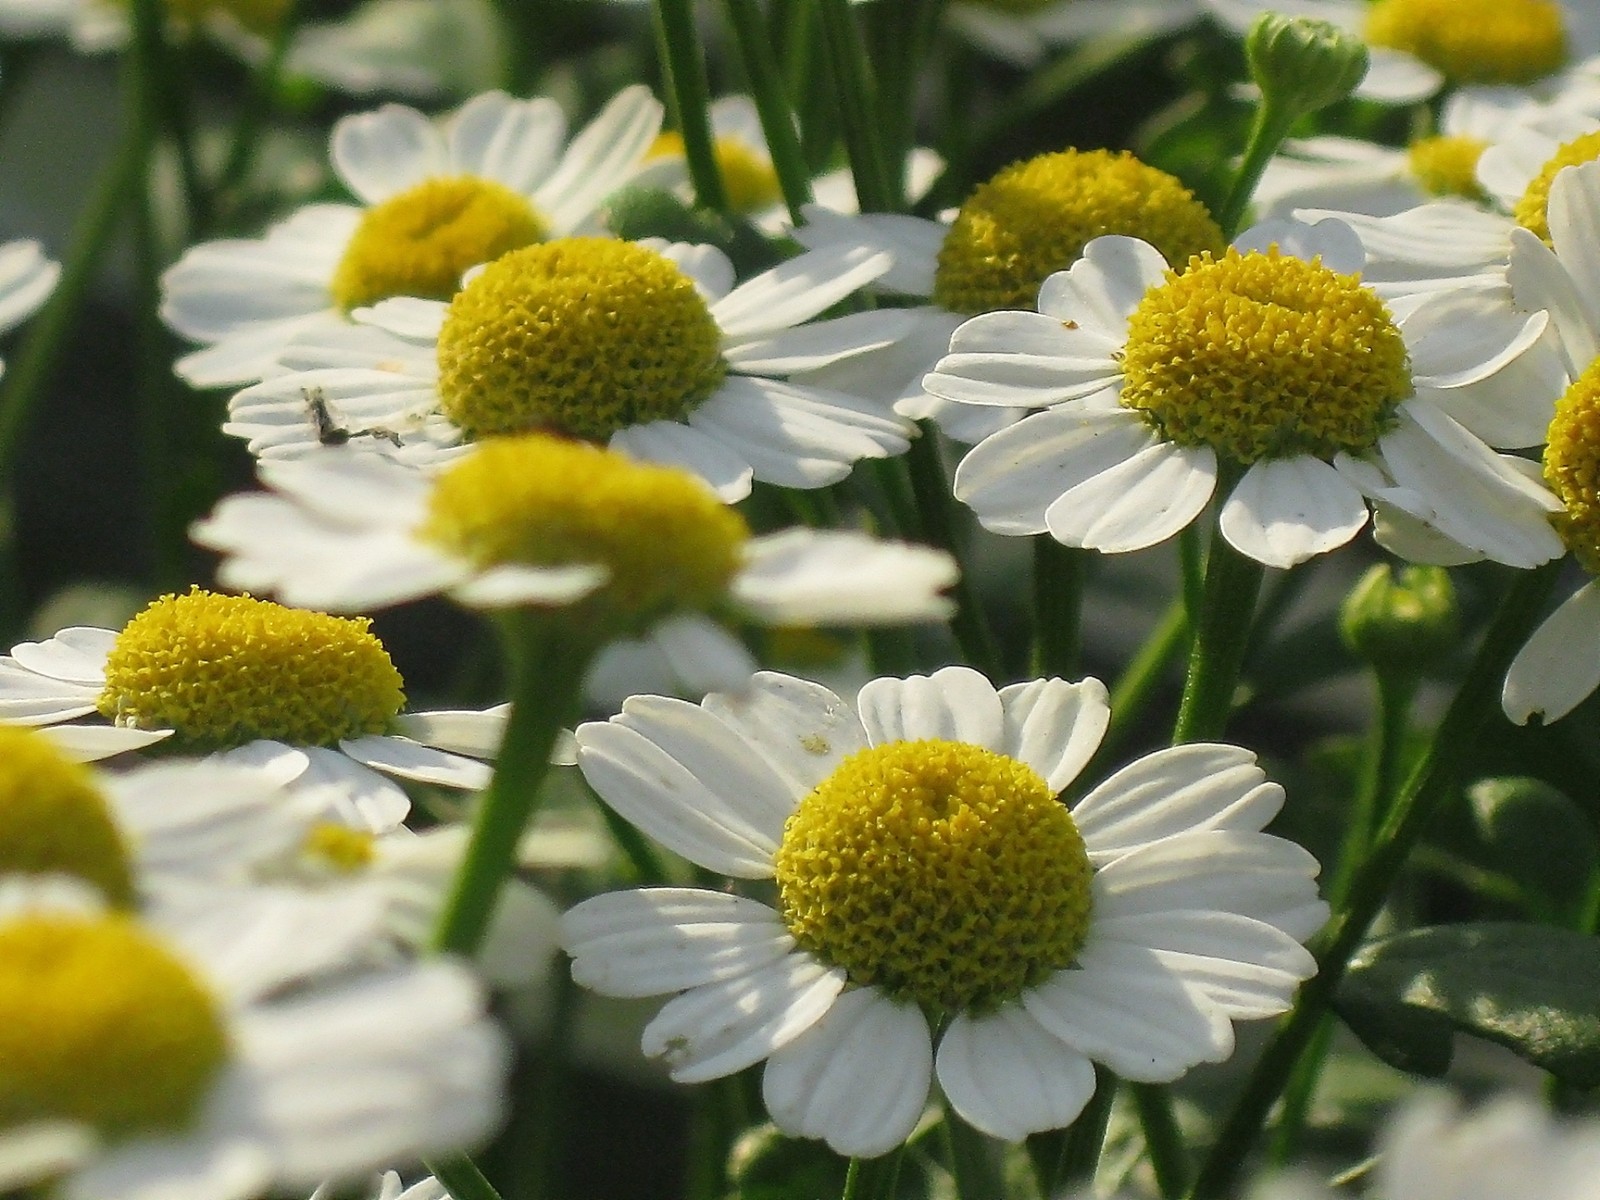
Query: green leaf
x,y
1531,988
1536,835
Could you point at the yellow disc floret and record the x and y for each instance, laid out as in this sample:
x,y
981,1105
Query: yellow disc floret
x,y
225,670
1034,218
1447,165
1532,207
100,1023
1474,41
338,849
583,336
940,871
667,541
420,242
1264,356
54,819
1572,467
747,177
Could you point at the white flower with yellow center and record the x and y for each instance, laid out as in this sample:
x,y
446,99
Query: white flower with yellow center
x,y
27,278
207,672
621,547
1271,365
1030,220
643,346
153,1058
1024,31
1420,46
389,1187
435,200
938,912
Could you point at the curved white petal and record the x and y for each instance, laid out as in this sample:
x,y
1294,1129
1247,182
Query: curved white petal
x,y
1287,510
1139,502
73,655
475,732
1054,726
412,760
1330,239
1540,280
1104,286
1008,1078
796,290
955,704
513,142
675,444
803,729
841,577
1023,360
1556,668
858,1078
701,654
600,159
816,344
382,153
91,743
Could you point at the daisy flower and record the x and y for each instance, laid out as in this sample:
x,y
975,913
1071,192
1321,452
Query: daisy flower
x,y
1024,31
183,1068
1030,220
645,346
434,200
206,672
939,913
538,521
95,25
1270,365
389,1187
27,278
1417,47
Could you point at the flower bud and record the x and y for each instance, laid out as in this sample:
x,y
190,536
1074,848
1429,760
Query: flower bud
x,y
1401,623
1301,64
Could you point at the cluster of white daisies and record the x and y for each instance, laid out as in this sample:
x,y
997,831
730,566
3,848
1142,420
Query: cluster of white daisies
x,y
461,383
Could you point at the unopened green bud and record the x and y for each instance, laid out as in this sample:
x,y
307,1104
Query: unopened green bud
x,y
1401,623
638,212
1301,64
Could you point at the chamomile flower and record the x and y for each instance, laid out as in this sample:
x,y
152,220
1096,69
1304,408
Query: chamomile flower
x,y
389,1187
435,200
536,521
1030,220
938,911
1024,31
27,278
208,672
96,25
1270,364
644,346
1420,46
152,1058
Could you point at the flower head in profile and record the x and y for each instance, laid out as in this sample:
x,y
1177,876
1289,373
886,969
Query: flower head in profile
x,y
610,546
646,347
939,912
208,672
150,1057
1270,364
434,201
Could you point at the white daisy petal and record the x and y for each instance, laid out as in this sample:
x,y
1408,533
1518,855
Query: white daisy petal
x,y
403,316
359,796
91,743
1054,726
463,731
1574,217
857,1079
1105,285
1331,240
816,344
1008,1078
913,241
1457,338
27,278
1022,360
796,290
513,585
701,654
1540,281
513,142
379,154
412,760
600,159
674,444
840,577
726,1026
1138,502
802,728
656,941
1175,791
1549,678
1287,510
73,655
955,704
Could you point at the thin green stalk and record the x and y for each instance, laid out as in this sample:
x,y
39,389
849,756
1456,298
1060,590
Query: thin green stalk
x,y
164,74
258,102
852,1180
971,1160
1430,784
1270,126
931,486
1222,633
1081,1145
689,97
461,1178
857,91
1163,1140
1192,570
1058,573
547,665
1132,692
772,103
902,43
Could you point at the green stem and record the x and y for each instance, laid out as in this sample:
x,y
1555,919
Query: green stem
x,y
257,103
852,1180
931,487
461,1178
547,664
772,103
852,77
1073,1170
902,43
1429,785
689,97
971,1160
1058,573
1132,692
1227,604
1270,126
1163,1140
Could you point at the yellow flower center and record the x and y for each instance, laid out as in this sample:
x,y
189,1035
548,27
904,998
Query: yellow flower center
x,y
747,177
1572,467
1264,356
226,670
582,336
422,241
1532,209
258,16
338,849
1034,218
666,539
939,871
55,820
99,1023
1474,41
1448,165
